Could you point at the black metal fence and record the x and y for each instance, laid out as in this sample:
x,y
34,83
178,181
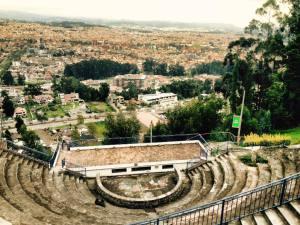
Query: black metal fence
x,y
214,136
237,206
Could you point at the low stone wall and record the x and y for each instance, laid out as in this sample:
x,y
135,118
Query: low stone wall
x,y
182,184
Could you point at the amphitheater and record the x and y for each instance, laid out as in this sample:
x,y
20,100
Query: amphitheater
x,y
222,190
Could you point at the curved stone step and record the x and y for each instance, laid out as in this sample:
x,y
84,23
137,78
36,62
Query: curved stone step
x,y
24,200
289,167
276,168
218,181
264,174
185,200
229,177
24,175
85,191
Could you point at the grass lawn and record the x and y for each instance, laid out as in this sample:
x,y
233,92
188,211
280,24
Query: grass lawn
x,y
99,107
97,129
59,112
293,133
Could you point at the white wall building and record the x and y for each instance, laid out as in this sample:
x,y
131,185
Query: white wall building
x,y
125,159
159,98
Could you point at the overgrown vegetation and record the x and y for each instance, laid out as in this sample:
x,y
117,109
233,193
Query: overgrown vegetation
x,y
252,160
266,140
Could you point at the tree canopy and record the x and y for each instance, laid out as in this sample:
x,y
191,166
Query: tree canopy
x,y
267,66
120,129
98,69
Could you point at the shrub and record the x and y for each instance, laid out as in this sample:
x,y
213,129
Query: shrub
x,y
215,152
266,140
260,159
248,160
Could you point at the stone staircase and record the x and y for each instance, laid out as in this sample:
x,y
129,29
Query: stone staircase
x,y
288,214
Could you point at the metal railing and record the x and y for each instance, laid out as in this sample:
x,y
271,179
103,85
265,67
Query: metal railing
x,y
213,136
53,159
237,206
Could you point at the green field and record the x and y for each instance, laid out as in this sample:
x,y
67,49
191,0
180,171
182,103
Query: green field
x,y
99,107
53,112
293,133
97,129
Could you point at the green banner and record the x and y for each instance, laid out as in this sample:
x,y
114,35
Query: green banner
x,y
236,122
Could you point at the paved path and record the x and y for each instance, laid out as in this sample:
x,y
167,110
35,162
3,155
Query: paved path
x,y
51,124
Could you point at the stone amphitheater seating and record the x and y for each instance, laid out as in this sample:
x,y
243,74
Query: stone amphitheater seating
x,y
31,194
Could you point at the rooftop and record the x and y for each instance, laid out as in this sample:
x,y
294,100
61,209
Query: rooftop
x,y
131,153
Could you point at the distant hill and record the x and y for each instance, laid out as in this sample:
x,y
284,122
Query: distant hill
x,y
162,25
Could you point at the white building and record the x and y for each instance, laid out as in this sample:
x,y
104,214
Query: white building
x,y
159,98
115,160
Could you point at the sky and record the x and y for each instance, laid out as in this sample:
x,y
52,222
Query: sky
x,y
236,12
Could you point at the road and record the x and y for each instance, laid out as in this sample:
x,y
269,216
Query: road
x,y
54,123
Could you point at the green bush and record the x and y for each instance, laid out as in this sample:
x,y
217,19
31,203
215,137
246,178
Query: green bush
x,y
247,160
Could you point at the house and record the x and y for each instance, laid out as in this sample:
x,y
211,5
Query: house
x,y
117,99
43,99
123,80
69,98
19,111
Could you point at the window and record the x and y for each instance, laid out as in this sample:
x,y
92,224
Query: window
x,y
121,170
141,168
165,167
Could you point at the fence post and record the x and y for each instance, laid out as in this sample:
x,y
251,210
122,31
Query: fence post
x,y
282,192
157,222
222,212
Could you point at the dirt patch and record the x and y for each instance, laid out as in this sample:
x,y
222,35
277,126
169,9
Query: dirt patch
x,y
141,186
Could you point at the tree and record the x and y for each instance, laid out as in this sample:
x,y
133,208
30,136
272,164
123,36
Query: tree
x,y
161,69
7,135
148,65
120,129
19,123
104,91
131,92
8,106
214,67
98,69
33,89
7,78
21,80
199,116
176,70
184,88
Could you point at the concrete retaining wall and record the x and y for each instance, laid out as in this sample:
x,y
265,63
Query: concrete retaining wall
x,y
182,184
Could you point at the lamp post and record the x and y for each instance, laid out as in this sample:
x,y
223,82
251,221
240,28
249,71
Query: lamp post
x,y
241,117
